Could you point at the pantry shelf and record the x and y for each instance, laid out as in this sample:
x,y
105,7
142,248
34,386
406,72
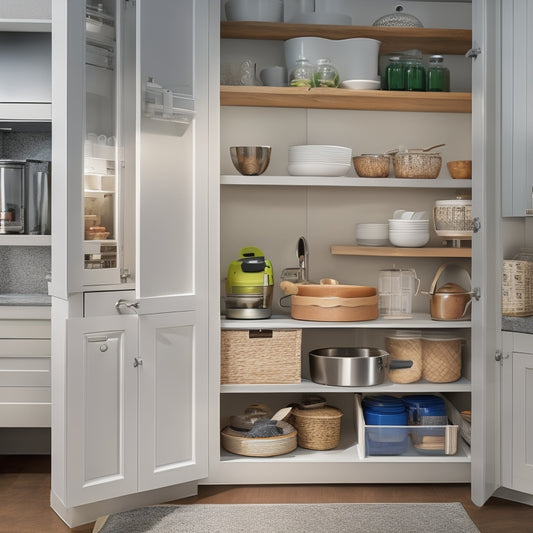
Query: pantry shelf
x,y
428,40
393,251
345,181
310,387
329,98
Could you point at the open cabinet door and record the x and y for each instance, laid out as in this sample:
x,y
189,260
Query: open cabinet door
x,y
486,244
172,148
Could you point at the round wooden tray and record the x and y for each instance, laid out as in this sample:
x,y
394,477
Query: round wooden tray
x,y
234,442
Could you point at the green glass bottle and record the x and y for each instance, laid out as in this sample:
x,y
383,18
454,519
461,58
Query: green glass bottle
x,y
394,75
415,75
438,78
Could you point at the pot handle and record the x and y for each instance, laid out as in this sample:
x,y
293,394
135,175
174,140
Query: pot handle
x,y
396,364
282,301
438,274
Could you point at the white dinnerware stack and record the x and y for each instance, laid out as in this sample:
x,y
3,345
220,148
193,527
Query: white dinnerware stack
x,y
370,234
319,160
408,233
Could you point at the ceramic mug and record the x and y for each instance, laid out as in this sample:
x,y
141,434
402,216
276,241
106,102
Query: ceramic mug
x,y
274,76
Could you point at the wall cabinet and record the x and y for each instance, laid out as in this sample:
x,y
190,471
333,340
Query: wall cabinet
x,y
517,428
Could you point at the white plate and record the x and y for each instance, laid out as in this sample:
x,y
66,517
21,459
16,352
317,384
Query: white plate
x,y
317,169
361,85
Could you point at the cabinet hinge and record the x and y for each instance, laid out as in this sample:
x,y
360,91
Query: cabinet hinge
x,y
473,52
476,224
476,293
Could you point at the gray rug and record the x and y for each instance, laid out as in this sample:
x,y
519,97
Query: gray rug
x,y
293,518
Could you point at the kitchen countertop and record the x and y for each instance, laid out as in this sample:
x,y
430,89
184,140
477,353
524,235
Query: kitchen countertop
x,y
518,324
25,299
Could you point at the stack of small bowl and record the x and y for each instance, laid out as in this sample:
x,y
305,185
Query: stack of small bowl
x,y
319,160
410,231
369,234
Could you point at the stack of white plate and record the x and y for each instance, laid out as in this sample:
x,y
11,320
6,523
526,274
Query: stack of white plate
x,y
368,234
319,160
408,233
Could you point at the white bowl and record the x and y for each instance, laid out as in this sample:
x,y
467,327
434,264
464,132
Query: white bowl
x,y
318,169
373,242
254,10
409,240
361,85
355,59
372,231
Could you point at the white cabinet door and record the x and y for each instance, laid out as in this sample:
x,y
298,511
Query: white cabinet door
x,y
517,412
172,436
517,107
101,401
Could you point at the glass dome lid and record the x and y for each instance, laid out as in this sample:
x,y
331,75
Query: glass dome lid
x,y
399,18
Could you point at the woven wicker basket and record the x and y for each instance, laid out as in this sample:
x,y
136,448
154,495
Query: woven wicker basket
x,y
318,429
441,359
405,348
234,442
517,288
261,356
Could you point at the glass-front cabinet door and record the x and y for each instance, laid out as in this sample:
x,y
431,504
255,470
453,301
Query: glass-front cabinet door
x,y
103,152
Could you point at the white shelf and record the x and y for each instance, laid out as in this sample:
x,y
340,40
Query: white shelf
x,y
25,240
29,25
419,321
30,112
317,181
309,387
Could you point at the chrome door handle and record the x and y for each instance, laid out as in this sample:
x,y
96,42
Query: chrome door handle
x,y
126,304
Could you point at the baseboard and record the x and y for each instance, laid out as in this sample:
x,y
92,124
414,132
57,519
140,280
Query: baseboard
x,y
25,441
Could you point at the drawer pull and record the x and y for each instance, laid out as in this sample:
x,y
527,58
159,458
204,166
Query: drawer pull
x,y
260,334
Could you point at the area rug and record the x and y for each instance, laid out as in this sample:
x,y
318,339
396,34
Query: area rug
x,y
293,518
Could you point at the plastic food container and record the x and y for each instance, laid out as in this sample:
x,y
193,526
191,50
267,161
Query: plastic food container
x,y
385,411
417,164
425,410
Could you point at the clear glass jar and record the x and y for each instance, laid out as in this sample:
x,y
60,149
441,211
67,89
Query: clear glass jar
x,y
325,74
414,75
394,74
438,78
302,74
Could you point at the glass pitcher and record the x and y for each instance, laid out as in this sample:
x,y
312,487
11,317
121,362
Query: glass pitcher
x,y
396,288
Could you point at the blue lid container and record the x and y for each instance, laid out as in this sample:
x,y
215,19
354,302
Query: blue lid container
x,y
383,411
427,410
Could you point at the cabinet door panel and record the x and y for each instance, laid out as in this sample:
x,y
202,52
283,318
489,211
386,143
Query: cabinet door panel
x,y
102,408
523,422
172,407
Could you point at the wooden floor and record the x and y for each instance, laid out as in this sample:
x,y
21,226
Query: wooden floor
x,y
25,495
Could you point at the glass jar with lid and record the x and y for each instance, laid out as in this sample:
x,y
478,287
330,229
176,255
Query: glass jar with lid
x,y
325,74
414,74
301,75
438,75
394,74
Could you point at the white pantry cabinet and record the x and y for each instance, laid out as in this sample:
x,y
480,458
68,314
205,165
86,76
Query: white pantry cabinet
x,y
129,304
517,415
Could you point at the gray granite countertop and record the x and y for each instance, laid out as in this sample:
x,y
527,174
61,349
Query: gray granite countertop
x,y
518,324
25,299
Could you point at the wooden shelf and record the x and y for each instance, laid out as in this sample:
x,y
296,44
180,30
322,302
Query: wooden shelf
x,y
393,251
327,98
428,40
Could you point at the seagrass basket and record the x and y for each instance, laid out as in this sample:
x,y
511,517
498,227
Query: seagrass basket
x,y
517,288
318,429
261,356
405,345
441,359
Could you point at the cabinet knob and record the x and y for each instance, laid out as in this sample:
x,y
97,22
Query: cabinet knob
x,y
137,362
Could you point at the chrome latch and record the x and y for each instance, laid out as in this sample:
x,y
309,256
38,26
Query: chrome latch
x,y
121,304
499,356
476,293
476,224
125,275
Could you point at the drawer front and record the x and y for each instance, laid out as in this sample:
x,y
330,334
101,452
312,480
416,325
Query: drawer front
x,y
24,372
104,303
25,347
24,329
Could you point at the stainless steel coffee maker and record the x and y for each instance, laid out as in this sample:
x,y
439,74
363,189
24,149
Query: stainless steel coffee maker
x,y
12,178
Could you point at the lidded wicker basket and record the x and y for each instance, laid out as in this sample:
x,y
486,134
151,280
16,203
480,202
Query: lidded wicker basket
x,y
318,429
405,345
441,356
517,285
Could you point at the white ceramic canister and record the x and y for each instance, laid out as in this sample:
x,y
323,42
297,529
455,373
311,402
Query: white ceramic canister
x,y
405,345
396,288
